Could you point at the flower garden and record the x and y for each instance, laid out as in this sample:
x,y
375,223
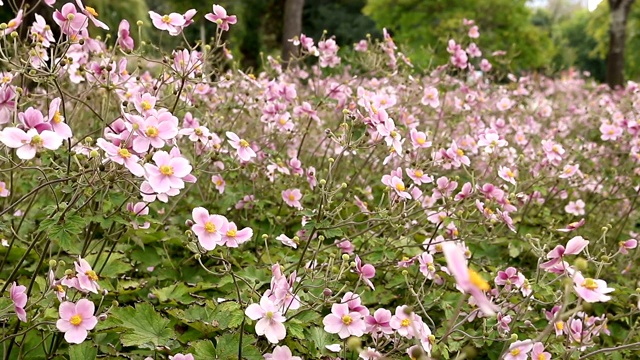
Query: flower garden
x,y
342,205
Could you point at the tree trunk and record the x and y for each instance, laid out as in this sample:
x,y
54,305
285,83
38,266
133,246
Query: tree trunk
x,y
292,27
619,12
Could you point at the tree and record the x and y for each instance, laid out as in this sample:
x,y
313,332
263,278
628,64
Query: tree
x,y
292,26
619,13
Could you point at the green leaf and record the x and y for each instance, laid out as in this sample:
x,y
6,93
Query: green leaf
x,y
319,337
178,293
227,347
204,349
295,329
229,315
145,325
84,351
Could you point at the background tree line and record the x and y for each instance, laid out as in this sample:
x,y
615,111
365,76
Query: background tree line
x,y
549,38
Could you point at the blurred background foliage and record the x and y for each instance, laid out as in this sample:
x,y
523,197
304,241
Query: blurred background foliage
x,y
546,36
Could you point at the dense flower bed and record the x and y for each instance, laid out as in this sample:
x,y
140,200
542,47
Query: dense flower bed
x,y
344,206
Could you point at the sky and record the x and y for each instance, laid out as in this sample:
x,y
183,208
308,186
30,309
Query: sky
x,y
592,4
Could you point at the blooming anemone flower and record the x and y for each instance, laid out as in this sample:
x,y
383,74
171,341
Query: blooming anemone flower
x,y
92,14
19,298
245,152
555,256
591,290
231,237
467,279
33,119
366,272
70,20
172,23
538,352
269,318
87,278
220,17
379,322
519,350
76,319
344,322
292,198
57,120
14,23
28,143
121,156
405,322
208,228
169,172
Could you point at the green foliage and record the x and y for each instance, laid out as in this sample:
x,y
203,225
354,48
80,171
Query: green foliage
x,y
143,326
424,27
84,351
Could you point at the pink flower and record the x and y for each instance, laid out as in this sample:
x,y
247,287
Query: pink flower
x,y
155,130
231,237
30,142
14,23
366,272
281,353
344,322
4,192
57,120
519,350
292,197
219,182
121,156
419,139
169,172
418,176
555,256
473,32
538,352
125,41
33,119
245,152
398,186
208,228
87,278
379,322
92,14
575,207
220,17
468,280
181,357
625,246
405,322
507,174
70,21
591,290
76,319
19,298
140,208
572,226
269,318
431,97
172,23
285,240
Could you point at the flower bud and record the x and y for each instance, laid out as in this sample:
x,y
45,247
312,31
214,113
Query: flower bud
x,y
405,272
321,237
323,182
102,317
197,256
327,292
61,263
345,257
3,26
52,263
114,303
407,310
581,263
514,337
354,343
189,223
139,23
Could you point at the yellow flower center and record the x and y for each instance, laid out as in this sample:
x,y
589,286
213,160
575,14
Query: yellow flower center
x,y
166,170
515,351
36,140
231,233
421,140
478,281
6,79
292,197
198,132
166,19
400,187
92,275
560,325
347,320
219,182
76,320
152,131
209,227
460,152
145,105
91,11
282,121
124,153
12,23
418,173
405,322
542,357
590,284
244,143
510,174
269,315
59,288
57,117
